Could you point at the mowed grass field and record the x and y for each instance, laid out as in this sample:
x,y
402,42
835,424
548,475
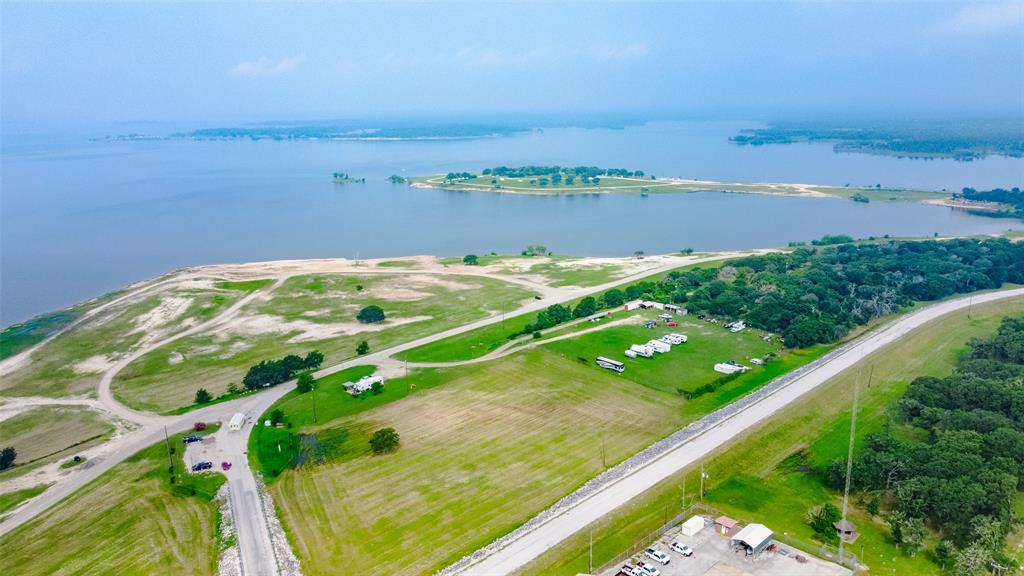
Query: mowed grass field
x,y
312,312
497,443
129,521
762,477
48,433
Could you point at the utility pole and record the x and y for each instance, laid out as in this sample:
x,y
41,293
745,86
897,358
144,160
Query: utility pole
x,y
703,475
849,453
970,304
313,391
590,570
170,460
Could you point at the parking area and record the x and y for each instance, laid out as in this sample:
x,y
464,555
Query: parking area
x,y
714,556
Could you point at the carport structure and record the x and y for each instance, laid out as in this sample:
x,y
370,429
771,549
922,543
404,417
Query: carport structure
x,y
753,537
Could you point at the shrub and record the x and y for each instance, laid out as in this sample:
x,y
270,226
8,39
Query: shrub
x,y
362,348
370,315
384,440
202,396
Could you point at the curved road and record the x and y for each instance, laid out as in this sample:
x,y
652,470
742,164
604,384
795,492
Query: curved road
x,y
719,428
250,522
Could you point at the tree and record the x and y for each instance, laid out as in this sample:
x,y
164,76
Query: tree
x,y
277,416
613,298
470,260
202,396
821,518
377,388
384,440
585,308
362,348
7,457
370,315
234,388
305,382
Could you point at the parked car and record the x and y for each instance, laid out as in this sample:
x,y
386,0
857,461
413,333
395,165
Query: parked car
x,y
657,555
645,569
200,466
192,438
225,465
681,548
626,570
673,323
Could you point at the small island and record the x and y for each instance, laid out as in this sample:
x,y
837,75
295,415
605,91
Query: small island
x,y
344,178
557,180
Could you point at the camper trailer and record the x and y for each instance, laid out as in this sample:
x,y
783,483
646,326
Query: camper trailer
x,y
642,350
659,346
610,364
630,354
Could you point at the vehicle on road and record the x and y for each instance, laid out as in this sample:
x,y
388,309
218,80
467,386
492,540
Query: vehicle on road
x,y
681,548
192,438
225,465
200,466
657,556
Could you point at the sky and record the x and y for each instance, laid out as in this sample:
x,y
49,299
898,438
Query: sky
x,y
68,63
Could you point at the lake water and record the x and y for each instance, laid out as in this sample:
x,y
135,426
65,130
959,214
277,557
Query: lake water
x,y
80,218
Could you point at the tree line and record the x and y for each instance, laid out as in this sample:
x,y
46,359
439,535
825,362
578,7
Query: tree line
x,y
961,474
813,295
273,372
550,171
1014,197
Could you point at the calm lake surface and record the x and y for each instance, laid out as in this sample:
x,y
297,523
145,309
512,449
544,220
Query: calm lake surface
x,y
81,218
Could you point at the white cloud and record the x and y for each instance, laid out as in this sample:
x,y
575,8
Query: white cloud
x,y
264,67
982,19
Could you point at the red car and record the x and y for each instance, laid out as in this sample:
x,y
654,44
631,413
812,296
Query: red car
x,y
225,466
673,323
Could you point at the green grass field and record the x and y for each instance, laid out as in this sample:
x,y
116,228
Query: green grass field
x,y
128,521
47,433
760,478
8,500
480,454
315,312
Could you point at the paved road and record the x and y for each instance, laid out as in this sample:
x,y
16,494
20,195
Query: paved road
x,y
153,427
520,551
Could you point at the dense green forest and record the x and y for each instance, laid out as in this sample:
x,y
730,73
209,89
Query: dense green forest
x,y
960,474
1013,198
813,295
965,140
579,171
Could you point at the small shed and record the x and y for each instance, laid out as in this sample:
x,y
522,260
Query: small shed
x,y
846,530
753,537
692,526
725,525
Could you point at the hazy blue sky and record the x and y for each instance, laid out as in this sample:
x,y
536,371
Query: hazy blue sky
x,y
213,62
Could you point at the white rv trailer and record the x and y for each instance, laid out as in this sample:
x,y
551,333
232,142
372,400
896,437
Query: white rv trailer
x,y
630,354
659,346
237,421
642,350
682,337
610,364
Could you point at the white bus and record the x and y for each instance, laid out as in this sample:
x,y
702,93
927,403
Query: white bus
x,y
610,364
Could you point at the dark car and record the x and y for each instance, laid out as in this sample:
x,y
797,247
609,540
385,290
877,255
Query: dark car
x,y
192,438
199,467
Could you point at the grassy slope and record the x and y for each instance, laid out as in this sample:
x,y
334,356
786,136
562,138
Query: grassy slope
x,y
153,383
52,373
48,433
9,500
754,480
128,521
